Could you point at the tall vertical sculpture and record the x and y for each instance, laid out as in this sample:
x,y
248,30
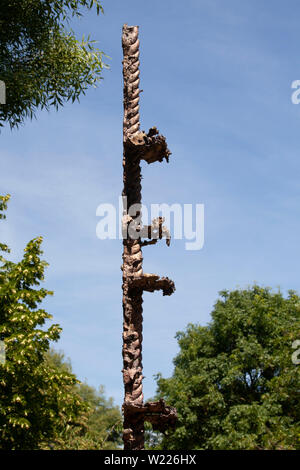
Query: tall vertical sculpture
x,y
150,147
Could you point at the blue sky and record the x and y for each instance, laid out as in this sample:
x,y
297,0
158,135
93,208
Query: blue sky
x,y
217,83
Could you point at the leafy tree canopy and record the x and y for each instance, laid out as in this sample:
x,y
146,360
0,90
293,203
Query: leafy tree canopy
x,y
37,400
42,63
101,424
234,384
42,404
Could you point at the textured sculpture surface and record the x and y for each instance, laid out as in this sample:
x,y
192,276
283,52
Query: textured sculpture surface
x,y
150,147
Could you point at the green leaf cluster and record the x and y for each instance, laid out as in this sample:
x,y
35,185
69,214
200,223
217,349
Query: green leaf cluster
x,y
37,399
42,62
101,424
234,384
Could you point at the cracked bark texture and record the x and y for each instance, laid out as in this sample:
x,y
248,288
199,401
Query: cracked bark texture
x,y
150,147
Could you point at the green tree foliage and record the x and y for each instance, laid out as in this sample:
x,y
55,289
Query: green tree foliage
x,y
234,384
101,423
37,400
104,424
42,62
42,404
